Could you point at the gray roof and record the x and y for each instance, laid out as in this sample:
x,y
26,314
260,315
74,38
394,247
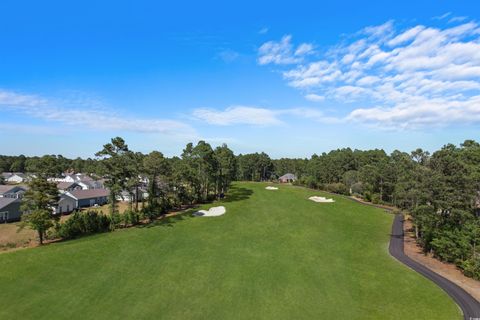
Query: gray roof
x,y
289,176
90,193
7,188
7,175
6,201
64,185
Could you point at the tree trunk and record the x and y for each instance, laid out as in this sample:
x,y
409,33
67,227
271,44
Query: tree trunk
x,y
113,202
40,236
130,204
136,198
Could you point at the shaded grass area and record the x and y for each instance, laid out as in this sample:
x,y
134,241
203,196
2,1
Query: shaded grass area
x,y
273,255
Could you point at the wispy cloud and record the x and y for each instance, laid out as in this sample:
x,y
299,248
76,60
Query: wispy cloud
x,y
238,115
413,77
314,97
87,115
442,16
283,52
457,19
256,116
264,30
228,55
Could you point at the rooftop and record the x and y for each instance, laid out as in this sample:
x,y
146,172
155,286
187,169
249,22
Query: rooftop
x,y
90,193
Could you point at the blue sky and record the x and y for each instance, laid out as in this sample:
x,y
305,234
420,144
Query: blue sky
x,y
288,79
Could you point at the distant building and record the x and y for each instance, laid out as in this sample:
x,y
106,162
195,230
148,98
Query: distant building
x,y
286,178
14,177
15,192
9,209
132,196
76,199
68,186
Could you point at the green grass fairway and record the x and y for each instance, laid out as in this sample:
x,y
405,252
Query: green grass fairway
x,y
273,255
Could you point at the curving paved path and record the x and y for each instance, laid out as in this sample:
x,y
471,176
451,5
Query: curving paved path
x,y
469,306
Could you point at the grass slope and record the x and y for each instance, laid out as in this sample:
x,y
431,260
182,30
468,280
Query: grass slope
x,y
274,255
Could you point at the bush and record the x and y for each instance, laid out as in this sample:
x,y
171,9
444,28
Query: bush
x,y
471,267
152,212
83,223
368,196
130,217
375,198
338,187
357,188
308,182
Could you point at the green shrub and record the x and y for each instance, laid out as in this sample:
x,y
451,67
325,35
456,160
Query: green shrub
x,y
83,223
375,198
471,267
357,188
368,196
130,217
338,187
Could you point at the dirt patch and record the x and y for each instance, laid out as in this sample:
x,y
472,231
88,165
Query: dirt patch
x,y
11,237
11,240
446,270
122,206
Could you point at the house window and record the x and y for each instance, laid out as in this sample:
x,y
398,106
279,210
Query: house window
x,y
4,216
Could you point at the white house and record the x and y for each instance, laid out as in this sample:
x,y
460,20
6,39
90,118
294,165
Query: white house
x,y
16,177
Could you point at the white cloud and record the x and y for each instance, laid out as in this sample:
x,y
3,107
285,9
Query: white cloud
x,y
16,99
304,49
380,31
443,16
314,97
72,115
414,77
283,52
256,116
420,113
238,115
457,19
263,30
406,36
228,55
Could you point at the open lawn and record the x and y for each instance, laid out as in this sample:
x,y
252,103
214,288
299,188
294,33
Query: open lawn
x,y
273,255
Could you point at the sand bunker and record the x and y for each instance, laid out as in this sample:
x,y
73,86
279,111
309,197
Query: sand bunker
x,y
320,199
271,188
212,212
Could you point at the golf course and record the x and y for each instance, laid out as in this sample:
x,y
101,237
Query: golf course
x,y
274,254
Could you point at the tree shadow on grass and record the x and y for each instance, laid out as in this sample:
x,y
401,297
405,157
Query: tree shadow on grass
x,y
234,194
237,194
169,221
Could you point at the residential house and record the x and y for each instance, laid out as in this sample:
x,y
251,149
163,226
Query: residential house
x,y
68,186
76,199
68,178
131,196
9,209
15,192
90,184
288,177
14,177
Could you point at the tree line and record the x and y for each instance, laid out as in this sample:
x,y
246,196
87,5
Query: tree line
x,y
439,190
